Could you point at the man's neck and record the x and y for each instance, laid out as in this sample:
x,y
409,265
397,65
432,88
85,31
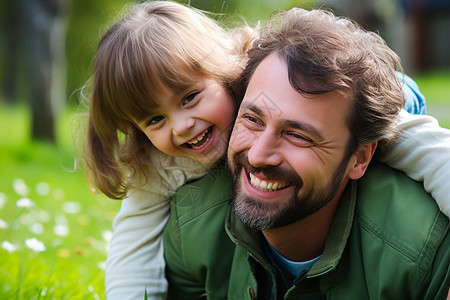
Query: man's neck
x,y
305,239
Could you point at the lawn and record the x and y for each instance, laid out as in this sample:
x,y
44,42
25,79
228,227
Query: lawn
x,y
436,88
54,232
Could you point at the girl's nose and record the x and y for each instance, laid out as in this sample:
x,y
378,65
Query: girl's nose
x,y
182,125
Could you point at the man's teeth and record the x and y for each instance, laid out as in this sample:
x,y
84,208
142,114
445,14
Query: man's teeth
x,y
265,185
199,138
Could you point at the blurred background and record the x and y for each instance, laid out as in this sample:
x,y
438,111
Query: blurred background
x,y
54,232
47,46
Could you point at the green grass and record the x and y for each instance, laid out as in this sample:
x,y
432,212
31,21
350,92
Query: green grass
x,y
435,86
72,223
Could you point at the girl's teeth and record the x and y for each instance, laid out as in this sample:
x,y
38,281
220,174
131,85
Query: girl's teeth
x,y
201,140
265,186
194,141
198,139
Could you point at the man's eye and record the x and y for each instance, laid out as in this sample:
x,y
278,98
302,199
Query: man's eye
x,y
251,119
155,120
300,137
189,98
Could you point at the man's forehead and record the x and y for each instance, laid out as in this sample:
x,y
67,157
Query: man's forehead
x,y
270,91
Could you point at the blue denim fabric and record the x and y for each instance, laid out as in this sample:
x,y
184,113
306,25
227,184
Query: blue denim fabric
x,y
415,101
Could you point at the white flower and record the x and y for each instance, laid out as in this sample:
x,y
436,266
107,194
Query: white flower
x,y
8,246
24,203
43,216
3,224
101,265
71,207
61,230
60,218
58,194
42,188
35,244
107,235
27,219
20,187
2,200
57,242
37,228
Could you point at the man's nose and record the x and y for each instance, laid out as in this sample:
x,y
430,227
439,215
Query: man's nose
x,y
182,125
264,151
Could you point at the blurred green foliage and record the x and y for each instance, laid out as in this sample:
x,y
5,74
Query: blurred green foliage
x,y
88,20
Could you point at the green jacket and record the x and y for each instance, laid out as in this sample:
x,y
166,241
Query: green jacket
x,y
388,241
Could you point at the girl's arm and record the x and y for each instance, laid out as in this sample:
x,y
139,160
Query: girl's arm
x,y
135,256
423,149
135,261
423,153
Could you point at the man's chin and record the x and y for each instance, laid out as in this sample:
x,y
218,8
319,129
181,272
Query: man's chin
x,y
253,213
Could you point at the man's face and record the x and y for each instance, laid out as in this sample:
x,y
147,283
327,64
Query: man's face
x,y
287,151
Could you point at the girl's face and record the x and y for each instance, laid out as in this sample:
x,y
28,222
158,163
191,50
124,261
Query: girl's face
x,y
195,123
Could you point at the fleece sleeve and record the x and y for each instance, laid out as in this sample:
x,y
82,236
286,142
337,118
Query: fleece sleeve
x,y
423,153
135,256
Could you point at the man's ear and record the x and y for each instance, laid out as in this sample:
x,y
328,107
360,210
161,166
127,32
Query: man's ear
x,y
363,157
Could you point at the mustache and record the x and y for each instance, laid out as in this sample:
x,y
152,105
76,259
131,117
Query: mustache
x,y
271,172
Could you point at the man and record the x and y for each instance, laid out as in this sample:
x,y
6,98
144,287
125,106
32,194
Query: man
x,y
310,219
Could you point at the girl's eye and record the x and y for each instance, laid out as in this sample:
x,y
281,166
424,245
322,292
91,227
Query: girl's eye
x,y
155,120
189,98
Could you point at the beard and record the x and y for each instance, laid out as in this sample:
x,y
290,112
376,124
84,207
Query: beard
x,y
261,215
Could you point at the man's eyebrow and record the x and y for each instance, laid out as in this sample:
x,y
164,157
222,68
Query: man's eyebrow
x,y
285,122
253,107
302,126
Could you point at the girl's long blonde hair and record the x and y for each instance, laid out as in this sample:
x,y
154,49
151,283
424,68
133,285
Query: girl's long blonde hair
x,y
157,44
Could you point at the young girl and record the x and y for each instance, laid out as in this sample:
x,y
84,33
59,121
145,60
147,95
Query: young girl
x,y
161,112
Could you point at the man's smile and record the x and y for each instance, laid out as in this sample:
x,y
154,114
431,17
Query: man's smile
x,y
267,185
263,189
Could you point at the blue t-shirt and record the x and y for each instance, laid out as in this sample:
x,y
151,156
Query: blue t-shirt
x,y
415,101
293,267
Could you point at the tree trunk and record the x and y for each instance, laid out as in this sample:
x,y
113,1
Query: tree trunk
x,y
11,21
44,34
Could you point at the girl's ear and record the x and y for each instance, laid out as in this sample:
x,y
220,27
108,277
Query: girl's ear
x,y
363,156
